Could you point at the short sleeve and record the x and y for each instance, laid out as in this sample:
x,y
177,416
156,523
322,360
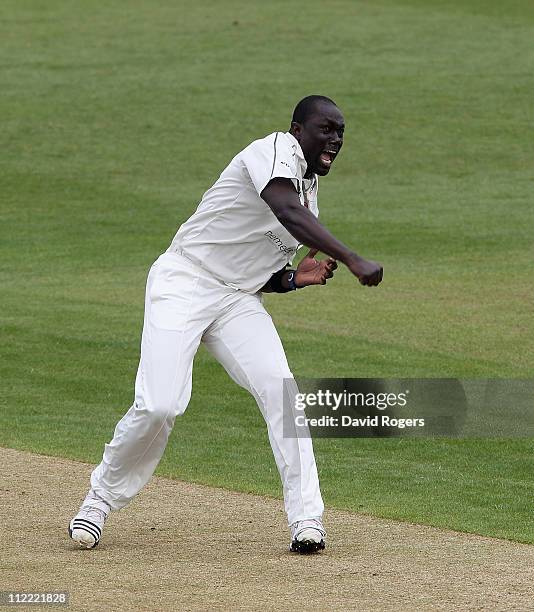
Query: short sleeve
x,y
271,157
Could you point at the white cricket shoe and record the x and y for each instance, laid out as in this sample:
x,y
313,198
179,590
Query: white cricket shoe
x,y
86,527
307,536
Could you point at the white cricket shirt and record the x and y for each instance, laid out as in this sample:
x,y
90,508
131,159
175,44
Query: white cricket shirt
x,y
233,234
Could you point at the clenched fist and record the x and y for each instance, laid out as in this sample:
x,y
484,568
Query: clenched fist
x,y
368,272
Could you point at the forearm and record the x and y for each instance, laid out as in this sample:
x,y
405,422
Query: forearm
x,y
303,225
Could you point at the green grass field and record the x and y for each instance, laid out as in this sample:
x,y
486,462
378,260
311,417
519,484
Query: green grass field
x,y
117,116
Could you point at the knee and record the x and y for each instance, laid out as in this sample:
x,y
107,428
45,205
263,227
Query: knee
x,y
160,412
276,386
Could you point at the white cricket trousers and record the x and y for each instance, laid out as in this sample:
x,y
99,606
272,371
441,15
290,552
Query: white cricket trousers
x,y
185,305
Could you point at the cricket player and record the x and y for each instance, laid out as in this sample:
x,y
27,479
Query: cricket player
x,y
207,287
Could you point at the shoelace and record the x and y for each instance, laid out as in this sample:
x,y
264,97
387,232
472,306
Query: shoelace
x,y
308,523
94,514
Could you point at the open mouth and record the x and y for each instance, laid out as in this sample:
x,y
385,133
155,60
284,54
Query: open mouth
x,y
327,157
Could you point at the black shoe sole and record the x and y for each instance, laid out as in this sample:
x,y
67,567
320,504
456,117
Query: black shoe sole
x,y
306,547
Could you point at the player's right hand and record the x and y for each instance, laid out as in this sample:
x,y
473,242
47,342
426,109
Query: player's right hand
x,y
368,272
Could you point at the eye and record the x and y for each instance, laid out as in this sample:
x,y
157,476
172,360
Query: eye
x,y
326,129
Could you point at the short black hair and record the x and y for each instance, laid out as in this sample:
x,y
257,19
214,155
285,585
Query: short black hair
x,y
306,107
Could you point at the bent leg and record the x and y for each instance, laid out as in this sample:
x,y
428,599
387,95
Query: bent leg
x,y
171,335
247,344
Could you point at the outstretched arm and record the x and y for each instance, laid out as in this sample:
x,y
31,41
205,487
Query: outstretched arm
x,y
283,200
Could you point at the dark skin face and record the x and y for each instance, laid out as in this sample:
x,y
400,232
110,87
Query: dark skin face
x,y
320,137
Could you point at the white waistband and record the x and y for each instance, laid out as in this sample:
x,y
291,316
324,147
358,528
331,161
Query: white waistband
x,y
177,250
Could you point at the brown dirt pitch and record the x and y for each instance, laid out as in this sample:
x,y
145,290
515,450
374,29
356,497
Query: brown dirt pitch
x,y
180,546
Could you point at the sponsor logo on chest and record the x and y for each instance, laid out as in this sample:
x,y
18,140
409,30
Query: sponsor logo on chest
x,y
277,241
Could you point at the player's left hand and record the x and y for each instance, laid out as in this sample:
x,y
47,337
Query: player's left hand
x,y
311,271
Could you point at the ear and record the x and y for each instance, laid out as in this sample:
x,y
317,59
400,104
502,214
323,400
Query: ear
x,y
296,130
